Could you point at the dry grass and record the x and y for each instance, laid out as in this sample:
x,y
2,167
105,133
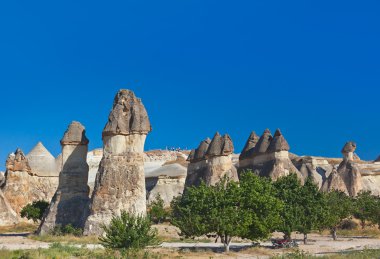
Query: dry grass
x,y
67,239
19,228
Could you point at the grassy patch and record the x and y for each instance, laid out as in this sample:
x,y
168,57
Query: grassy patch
x,y
70,239
58,250
19,228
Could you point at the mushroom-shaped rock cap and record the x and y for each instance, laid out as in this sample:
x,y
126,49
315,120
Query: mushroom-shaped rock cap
x,y
17,162
75,135
278,143
191,155
220,146
128,116
378,159
263,143
249,146
200,152
349,147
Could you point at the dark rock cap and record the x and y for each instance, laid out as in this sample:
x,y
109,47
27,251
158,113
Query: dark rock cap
x,y
349,147
128,116
263,143
248,149
191,155
75,135
220,146
200,152
378,159
278,143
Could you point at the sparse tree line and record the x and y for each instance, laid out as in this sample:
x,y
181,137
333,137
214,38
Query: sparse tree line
x,y
251,209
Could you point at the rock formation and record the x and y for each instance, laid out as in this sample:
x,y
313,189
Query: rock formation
x,y
378,159
248,150
270,157
72,196
167,187
211,161
198,164
7,215
120,181
42,162
347,177
21,186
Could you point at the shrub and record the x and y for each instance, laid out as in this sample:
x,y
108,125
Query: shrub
x,y
35,210
156,210
127,231
348,224
67,230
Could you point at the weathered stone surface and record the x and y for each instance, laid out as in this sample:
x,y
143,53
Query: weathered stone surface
x,y
248,150
200,152
263,143
220,146
167,188
128,116
7,215
42,162
278,143
2,179
17,162
348,174
70,201
21,187
216,162
120,182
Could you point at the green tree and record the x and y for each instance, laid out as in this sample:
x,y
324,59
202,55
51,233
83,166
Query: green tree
x,y
313,205
157,211
339,208
288,190
228,209
127,231
34,210
365,207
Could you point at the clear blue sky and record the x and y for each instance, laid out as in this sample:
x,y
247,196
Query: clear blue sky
x,y
311,68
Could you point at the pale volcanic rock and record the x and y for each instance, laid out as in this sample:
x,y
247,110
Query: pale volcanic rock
x,y
120,181
2,179
17,162
271,158
212,160
348,173
42,162
167,188
70,201
7,215
22,187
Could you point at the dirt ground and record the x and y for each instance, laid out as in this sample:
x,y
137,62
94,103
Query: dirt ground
x,y
318,245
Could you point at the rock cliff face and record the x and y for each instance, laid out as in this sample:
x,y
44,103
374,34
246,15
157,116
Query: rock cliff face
x,y
7,215
70,201
347,177
21,186
270,157
211,161
120,182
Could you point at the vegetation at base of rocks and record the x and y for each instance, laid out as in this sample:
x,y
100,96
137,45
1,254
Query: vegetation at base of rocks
x,y
66,239
157,211
128,231
247,209
35,210
19,228
67,230
58,250
367,208
363,254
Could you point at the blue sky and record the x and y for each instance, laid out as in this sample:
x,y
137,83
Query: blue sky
x,y
311,68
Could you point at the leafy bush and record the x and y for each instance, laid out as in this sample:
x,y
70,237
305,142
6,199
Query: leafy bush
x,y
67,230
35,210
127,231
156,210
348,224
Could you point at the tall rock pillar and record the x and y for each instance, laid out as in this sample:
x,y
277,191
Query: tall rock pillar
x,y
120,181
70,201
